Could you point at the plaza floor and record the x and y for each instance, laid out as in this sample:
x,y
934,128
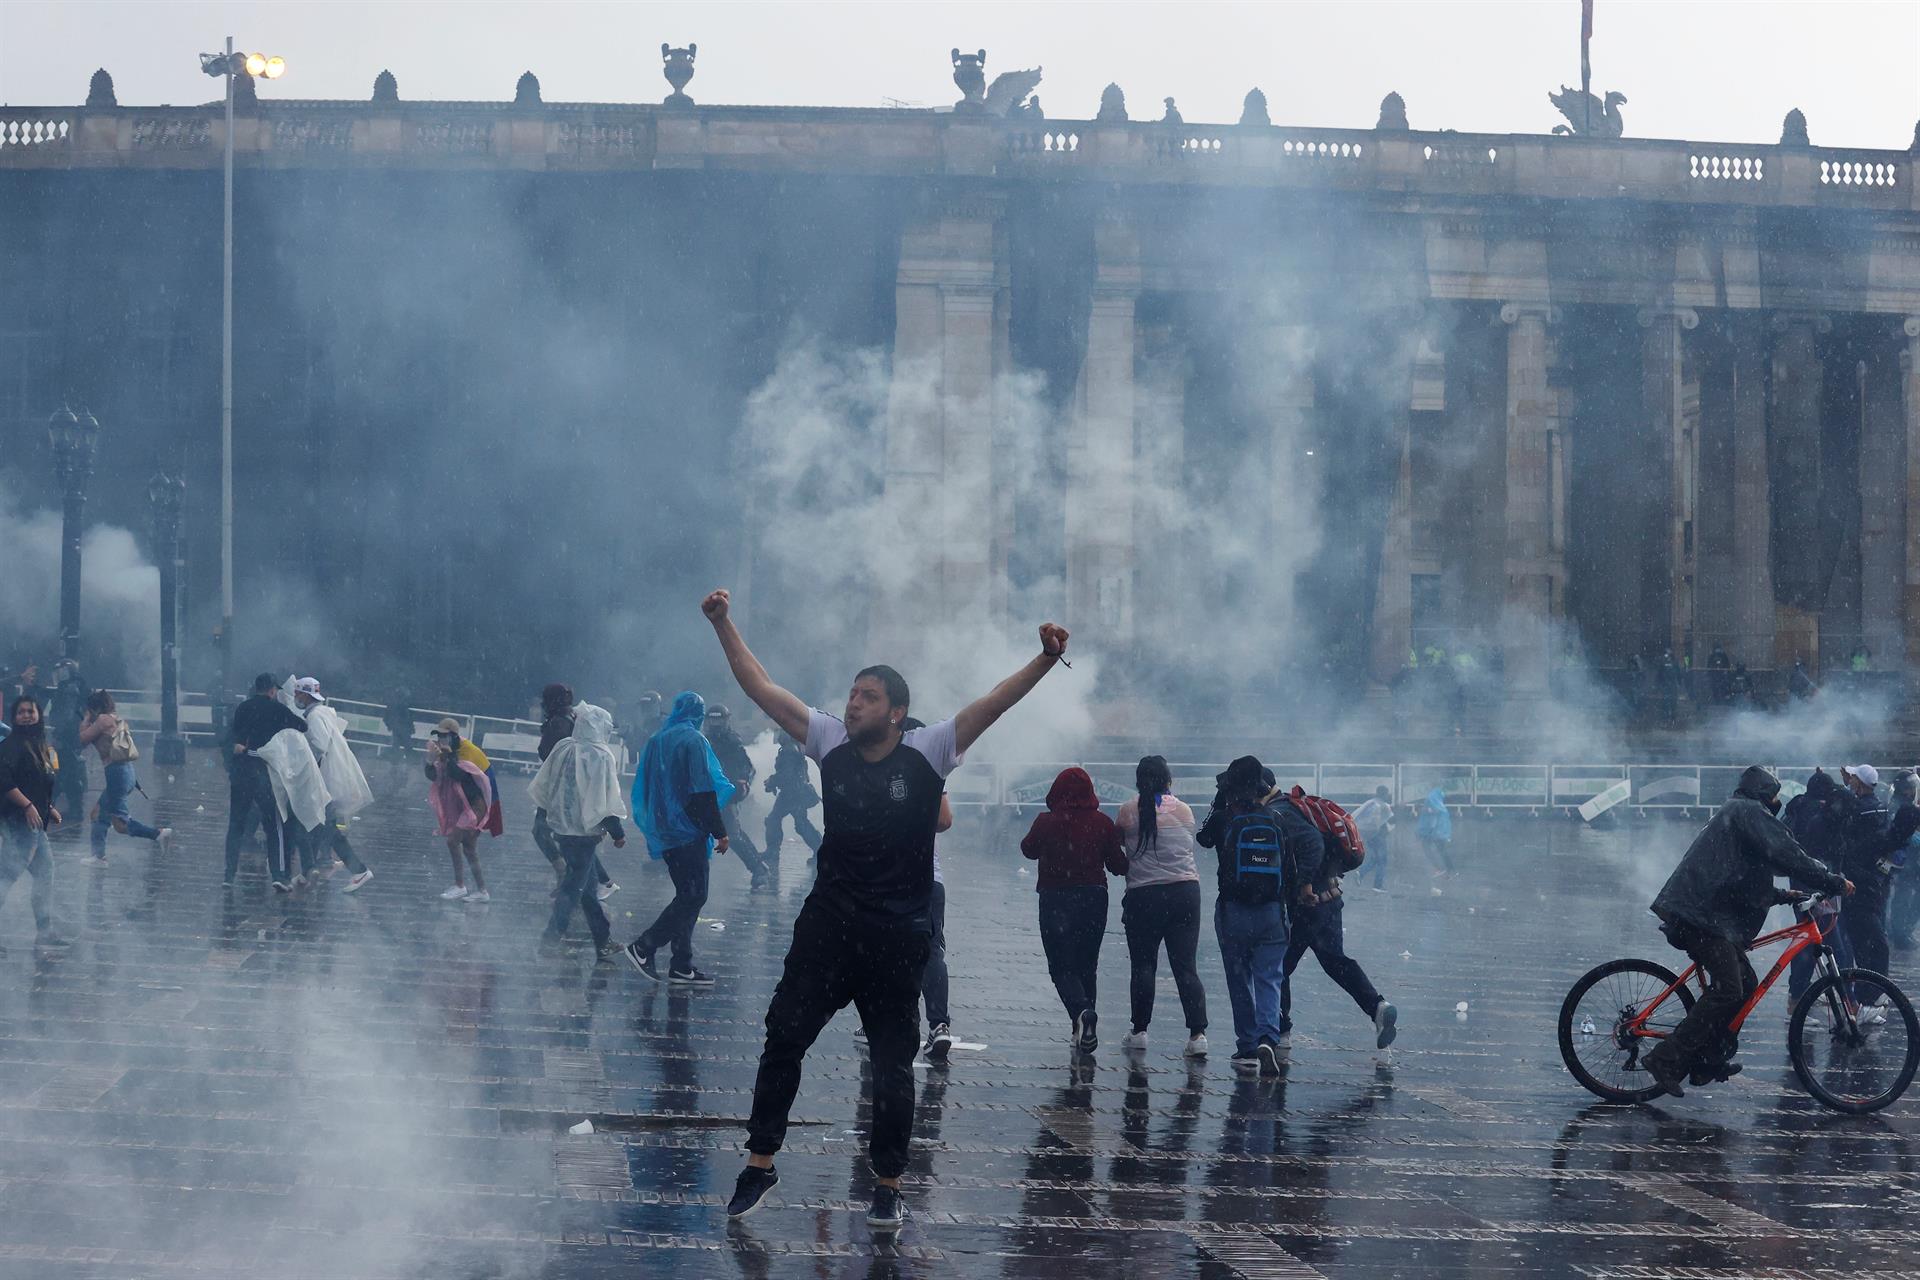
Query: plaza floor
x,y
381,1084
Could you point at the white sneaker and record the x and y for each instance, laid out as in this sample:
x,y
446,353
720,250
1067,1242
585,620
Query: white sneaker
x,y
359,880
479,895
1134,1040
164,841
1197,1045
606,890
1872,1015
458,891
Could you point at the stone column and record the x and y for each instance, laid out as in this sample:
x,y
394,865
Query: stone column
x,y
1883,514
1400,342
1666,553
1793,449
1101,448
948,301
1910,388
1755,618
1160,501
1734,577
1535,572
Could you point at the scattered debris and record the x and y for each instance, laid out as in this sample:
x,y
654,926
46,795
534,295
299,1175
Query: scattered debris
x,y
584,1127
1461,1007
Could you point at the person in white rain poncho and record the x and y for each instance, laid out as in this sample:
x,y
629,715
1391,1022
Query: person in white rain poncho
x,y
579,788
347,789
298,793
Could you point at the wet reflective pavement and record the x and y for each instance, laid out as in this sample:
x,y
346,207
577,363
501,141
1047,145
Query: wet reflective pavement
x,y
380,1084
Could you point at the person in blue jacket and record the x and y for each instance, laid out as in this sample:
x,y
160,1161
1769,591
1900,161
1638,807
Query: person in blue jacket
x,y
1434,827
679,791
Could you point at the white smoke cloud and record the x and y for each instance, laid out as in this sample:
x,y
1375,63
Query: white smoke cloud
x,y
119,596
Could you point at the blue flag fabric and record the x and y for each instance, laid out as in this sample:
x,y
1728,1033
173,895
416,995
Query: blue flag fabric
x,y
676,764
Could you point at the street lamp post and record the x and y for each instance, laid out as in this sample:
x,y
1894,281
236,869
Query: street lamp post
x,y
228,66
168,493
73,438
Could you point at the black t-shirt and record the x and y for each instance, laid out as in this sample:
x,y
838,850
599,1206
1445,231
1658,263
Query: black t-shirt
x,y
33,772
876,853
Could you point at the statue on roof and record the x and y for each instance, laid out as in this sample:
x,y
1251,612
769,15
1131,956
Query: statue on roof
x,y
1588,116
1009,89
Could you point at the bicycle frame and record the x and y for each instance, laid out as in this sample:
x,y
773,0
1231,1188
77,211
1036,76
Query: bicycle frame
x,y
1801,934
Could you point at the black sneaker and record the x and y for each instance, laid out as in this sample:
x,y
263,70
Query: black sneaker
x,y
1249,1063
689,978
1269,1055
1085,1038
750,1190
939,1043
641,960
888,1211
607,953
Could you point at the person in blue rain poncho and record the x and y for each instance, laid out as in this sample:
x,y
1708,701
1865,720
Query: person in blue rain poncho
x,y
678,793
1434,827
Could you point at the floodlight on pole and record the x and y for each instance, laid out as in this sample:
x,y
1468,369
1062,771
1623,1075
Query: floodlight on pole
x,y
230,66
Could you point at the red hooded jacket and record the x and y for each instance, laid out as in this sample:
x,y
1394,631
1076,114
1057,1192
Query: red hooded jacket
x,y
1073,840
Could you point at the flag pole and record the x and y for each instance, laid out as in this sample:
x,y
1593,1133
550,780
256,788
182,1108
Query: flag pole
x,y
1586,67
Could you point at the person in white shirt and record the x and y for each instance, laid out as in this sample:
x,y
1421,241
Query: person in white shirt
x,y
862,936
1162,902
1374,821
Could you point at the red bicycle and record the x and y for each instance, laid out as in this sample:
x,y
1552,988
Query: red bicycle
x,y
1853,1037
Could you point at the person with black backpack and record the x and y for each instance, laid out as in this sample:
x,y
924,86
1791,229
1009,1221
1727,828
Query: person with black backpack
x,y
1261,846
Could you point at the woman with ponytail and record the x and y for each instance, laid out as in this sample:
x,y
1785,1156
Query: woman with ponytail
x,y
1162,902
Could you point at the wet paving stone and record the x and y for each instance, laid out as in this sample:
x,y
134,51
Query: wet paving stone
x,y
380,1084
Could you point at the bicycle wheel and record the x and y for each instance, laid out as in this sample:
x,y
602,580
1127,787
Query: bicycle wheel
x,y
1594,1041
1854,1054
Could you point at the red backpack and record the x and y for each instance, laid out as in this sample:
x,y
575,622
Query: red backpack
x,y
1345,849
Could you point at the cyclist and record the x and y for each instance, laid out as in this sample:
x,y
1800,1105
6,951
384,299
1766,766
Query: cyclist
x,y
1713,907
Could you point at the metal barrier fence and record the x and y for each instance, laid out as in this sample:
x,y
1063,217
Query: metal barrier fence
x,y
1489,788
506,741
1676,789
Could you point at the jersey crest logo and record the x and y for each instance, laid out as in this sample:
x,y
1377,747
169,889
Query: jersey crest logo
x,y
897,789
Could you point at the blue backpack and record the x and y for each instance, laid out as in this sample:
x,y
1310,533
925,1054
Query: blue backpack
x,y
1257,851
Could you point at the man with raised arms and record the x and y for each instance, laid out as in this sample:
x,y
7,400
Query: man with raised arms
x,y
862,936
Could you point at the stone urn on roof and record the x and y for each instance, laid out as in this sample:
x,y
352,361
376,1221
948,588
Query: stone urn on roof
x,y
677,67
970,77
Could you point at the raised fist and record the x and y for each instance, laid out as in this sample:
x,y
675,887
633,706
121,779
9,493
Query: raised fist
x,y
717,605
1053,639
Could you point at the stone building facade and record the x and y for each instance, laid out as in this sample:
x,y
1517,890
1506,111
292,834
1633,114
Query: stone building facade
x,y
1541,395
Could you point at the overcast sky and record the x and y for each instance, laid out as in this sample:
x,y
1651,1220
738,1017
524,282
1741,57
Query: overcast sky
x,y
1721,70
